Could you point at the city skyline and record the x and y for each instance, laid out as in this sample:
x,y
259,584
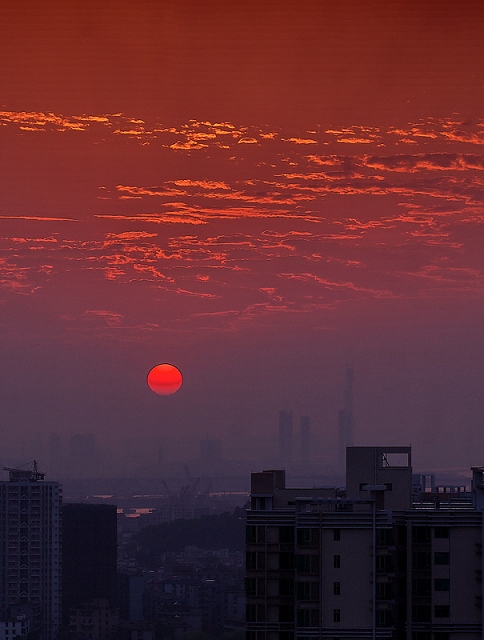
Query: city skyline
x,y
258,194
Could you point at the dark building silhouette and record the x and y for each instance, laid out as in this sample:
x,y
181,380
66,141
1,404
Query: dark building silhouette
x,y
88,555
285,436
30,553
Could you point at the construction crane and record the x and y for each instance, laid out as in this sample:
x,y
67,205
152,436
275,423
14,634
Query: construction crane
x,y
32,475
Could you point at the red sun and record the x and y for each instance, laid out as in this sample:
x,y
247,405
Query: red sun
x,y
164,379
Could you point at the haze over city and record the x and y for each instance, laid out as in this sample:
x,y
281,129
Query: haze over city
x,y
260,193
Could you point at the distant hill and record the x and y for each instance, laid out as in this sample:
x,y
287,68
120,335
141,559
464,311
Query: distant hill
x,y
224,531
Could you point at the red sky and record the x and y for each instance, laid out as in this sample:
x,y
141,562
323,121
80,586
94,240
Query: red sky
x,y
258,192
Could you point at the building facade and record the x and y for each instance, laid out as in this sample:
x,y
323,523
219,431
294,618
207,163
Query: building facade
x,y
95,621
30,552
89,553
380,559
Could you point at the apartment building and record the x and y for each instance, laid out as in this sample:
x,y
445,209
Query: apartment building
x,y
381,558
30,553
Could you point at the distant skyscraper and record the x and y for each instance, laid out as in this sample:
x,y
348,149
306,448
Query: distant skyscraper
x,y
304,439
88,555
30,558
345,420
285,436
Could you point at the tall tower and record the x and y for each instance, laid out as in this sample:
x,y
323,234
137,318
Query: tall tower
x,y
30,556
285,436
345,420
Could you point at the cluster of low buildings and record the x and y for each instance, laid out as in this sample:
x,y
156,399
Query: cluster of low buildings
x,y
196,590
63,574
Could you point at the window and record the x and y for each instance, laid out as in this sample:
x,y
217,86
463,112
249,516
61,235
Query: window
x,y
286,587
286,561
441,557
307,590
261,504
384,591
255,612
303,564
421,613
442,584
441,611
307,617
420,560
255,560
336,615
384,564
421,535
383,618
384,537
337,588
286,613
307,537
421,587
255,587
393,459
286,535
337,562
336,535
303,591
441,532
307,563
402,535
255,535
303,537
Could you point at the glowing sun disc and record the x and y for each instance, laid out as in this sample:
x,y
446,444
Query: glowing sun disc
x,y
164,379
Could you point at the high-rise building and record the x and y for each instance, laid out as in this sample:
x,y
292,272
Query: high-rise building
x,y
285,436
89,549
385,558
30,551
